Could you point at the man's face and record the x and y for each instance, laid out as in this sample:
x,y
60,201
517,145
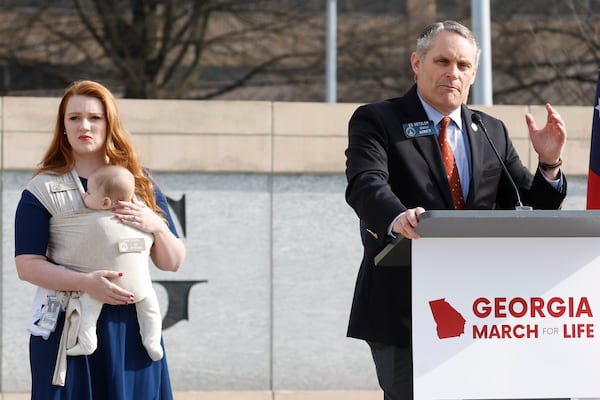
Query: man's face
x,y
446,72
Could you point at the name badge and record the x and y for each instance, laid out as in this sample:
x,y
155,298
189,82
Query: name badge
x,y
133,245
50,314
62,186
417,129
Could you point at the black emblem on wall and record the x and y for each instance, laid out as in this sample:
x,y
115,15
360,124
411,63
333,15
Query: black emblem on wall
x,y
178,292
178,207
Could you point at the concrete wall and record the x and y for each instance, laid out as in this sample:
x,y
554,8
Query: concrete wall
x,y
273,249
253,136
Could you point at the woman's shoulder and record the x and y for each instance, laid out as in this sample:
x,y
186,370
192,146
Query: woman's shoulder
x,y
57,192
54,181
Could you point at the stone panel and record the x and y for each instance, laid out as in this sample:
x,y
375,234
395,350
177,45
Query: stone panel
x,y
197,117
24,150
312,119
210,153
252,137
315,155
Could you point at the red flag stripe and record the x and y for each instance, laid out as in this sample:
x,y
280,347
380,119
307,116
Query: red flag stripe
x,y
593,187
593,192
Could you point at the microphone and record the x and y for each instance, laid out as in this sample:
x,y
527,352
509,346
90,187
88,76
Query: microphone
x,y
476,118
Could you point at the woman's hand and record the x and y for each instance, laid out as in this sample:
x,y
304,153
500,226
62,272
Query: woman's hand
x,y
135,214
100,285
168,251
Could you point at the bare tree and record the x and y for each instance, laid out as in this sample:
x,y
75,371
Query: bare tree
x,y
229,49
553,57
161,48
543,50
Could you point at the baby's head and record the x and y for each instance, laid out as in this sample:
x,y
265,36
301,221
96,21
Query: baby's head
x,y
107,185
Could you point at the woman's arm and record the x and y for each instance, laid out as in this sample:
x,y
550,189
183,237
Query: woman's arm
x,y
39,271
168,251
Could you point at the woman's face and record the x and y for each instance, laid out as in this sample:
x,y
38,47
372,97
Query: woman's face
x,y
85,126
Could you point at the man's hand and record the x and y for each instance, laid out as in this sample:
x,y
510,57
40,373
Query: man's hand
x,y
407,222
549,141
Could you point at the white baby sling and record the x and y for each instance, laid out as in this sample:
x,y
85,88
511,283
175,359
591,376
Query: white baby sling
x,y
81,239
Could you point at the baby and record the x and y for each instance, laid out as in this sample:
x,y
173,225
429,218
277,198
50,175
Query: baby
x,y
110,244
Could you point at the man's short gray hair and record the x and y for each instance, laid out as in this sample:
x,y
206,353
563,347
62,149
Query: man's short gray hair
x,y
425,41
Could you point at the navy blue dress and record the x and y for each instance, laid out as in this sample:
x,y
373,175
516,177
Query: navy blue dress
x,y
120,368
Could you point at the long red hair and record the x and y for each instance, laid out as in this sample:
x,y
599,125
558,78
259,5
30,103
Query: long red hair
x,y
119,147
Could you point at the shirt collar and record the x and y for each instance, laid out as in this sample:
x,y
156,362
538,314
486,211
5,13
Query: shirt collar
x,y
436,116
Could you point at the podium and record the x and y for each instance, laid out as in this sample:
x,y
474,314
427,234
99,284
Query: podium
x,y
505,304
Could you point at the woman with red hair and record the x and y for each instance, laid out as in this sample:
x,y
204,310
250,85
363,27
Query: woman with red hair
x,y
89,134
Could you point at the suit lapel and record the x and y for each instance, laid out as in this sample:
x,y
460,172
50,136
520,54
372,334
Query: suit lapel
x,y
477,141
411,110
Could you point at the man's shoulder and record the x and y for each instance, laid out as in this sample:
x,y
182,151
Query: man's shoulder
x,y
409,97
486,118
473,109
404,105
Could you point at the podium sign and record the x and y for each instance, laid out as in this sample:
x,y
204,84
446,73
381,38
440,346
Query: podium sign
x,y
506,305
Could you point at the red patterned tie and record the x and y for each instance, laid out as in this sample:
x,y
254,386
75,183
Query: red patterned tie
x,y
450,165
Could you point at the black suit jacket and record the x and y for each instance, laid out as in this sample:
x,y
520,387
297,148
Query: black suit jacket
x,y
389,172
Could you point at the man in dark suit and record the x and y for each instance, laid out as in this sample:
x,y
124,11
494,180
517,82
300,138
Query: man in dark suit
x,y
395,172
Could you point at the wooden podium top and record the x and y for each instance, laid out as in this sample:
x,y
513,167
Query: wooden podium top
x,y
491,223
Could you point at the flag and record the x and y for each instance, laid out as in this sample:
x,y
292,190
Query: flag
x,y
593,184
